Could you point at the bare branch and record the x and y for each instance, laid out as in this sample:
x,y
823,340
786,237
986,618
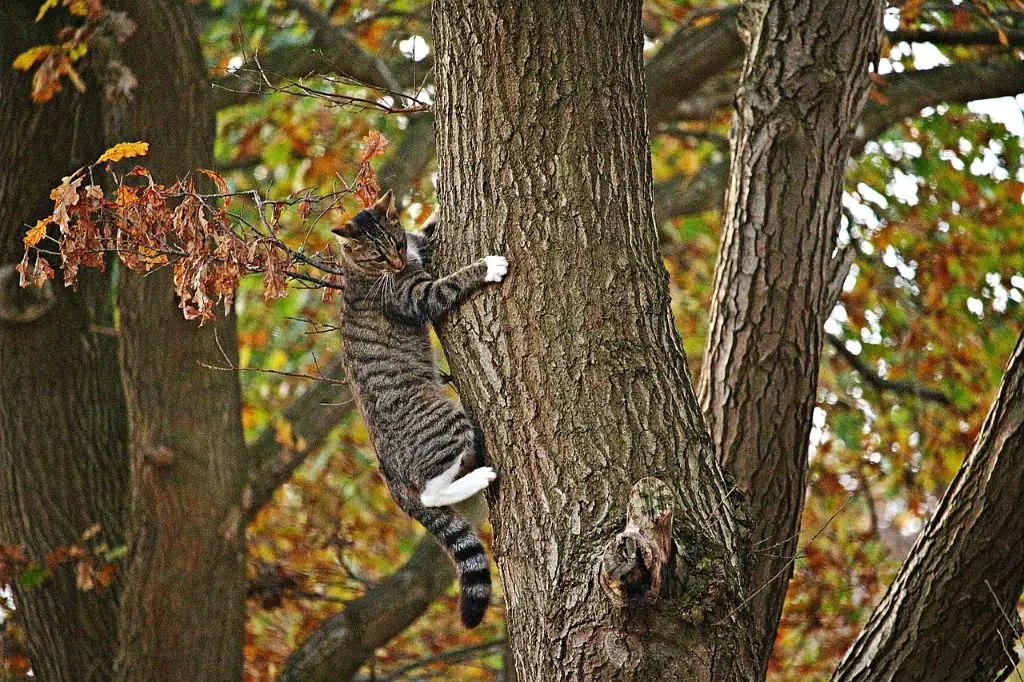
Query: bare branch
x,y
333,50
689,58
312,417
339,647
453,656
905,95
1012,38
881,383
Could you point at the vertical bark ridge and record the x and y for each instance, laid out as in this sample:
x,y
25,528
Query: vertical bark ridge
x,y
803,87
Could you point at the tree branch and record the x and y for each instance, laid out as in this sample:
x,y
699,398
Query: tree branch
x,y
453,656
342,643
312,416
772,290
966,571
687,60
879,382
1013,38
905,94
332,50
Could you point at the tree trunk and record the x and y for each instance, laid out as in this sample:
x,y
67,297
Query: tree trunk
x,y
183,611
951,612
573,364
778,275
63,461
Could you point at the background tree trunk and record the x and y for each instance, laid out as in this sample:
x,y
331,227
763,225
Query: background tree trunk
x,y
184,603
780,271
573,364
63,461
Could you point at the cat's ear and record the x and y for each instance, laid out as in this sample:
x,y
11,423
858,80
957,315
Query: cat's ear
x,y
385,204
349,230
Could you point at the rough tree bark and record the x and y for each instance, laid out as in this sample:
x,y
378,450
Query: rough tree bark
x,y
573,365
951,613
184,601
63,460
804,83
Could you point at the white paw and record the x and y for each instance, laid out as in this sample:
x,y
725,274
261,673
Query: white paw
x,y
475,481
497,267
484,474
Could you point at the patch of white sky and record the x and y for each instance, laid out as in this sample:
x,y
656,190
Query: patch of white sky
x,y
414,47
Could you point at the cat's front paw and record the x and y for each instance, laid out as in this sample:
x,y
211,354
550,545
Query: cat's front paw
x,y
497,267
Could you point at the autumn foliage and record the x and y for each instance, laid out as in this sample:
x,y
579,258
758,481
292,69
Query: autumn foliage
x,y
934,300
148,225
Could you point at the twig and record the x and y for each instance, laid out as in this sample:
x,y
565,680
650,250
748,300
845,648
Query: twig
x,y
232,367
1006,617
447,657
798,555
882,384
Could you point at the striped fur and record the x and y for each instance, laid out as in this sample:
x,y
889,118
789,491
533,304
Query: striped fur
x,y
424,440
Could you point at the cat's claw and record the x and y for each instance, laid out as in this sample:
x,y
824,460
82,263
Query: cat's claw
x,y
497,267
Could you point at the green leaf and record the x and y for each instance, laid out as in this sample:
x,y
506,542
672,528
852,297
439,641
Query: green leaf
x,y
32,576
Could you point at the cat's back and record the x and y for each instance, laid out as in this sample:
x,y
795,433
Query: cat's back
x,y
389,361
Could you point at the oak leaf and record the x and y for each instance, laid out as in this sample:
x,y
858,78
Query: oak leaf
x,y
65,195
27,59
36,234
124,150
218,179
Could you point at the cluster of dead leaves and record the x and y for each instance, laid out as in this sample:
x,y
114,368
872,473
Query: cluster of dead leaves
x,y
149,225
367,187
95,567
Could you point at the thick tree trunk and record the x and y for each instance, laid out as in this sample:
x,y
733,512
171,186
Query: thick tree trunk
x,y
573,364
183,611
63,461
951,612
778,276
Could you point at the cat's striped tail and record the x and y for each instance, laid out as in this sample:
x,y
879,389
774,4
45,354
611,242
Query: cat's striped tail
x,y
463,545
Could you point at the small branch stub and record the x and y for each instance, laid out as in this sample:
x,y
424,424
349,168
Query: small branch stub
x,y
632,563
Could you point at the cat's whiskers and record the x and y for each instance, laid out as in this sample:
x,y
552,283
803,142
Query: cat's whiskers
x,y
379,282
391,285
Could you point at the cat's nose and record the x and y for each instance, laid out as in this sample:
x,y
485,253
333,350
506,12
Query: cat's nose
x,y
396,262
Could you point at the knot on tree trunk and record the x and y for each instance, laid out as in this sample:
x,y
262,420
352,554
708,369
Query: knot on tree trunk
x,y
634,561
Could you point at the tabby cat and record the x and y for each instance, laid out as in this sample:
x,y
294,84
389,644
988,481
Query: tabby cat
x,y
424,441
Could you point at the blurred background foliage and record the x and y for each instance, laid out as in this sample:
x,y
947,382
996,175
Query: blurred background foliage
x,y
929,314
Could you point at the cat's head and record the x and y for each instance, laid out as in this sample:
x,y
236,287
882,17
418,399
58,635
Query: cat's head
x,y
373,243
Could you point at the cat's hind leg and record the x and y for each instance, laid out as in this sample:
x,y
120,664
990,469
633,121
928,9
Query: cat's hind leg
x,y
444,490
